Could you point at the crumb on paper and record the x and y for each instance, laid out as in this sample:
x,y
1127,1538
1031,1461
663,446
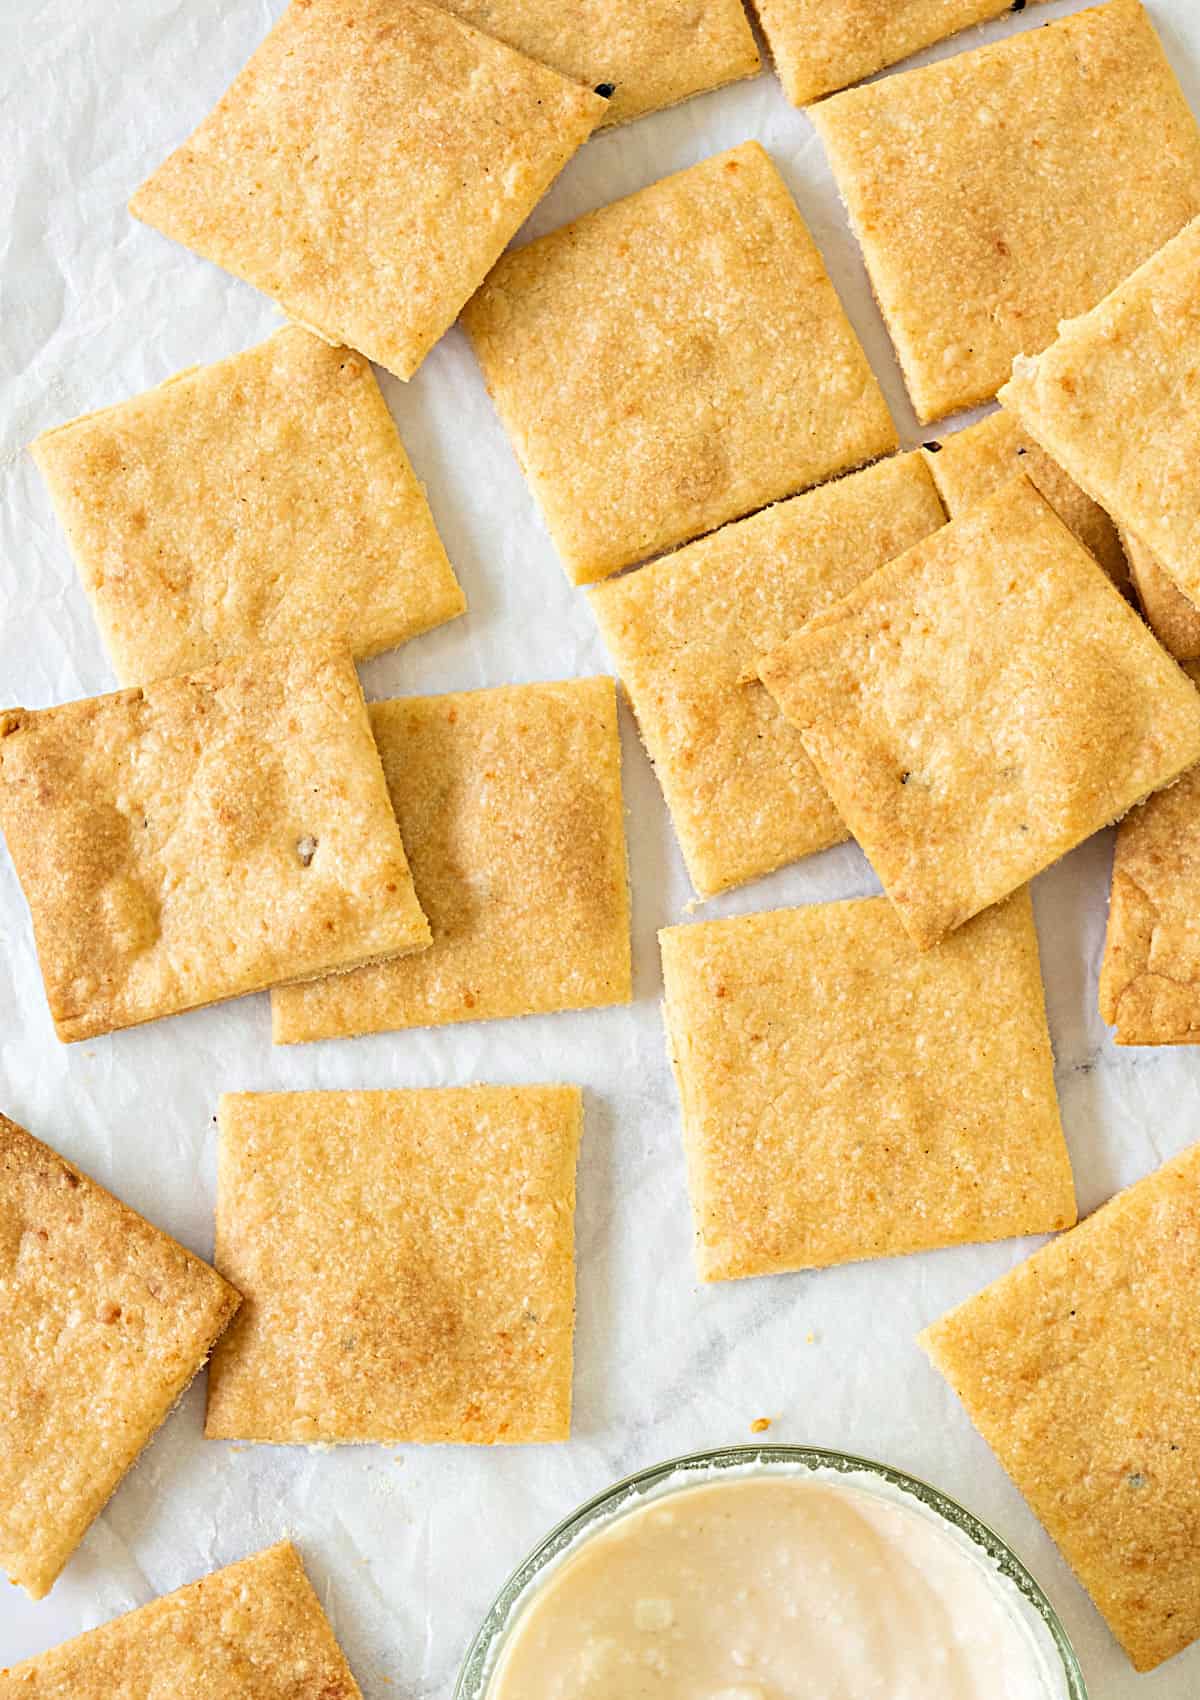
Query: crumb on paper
x,y
760,1425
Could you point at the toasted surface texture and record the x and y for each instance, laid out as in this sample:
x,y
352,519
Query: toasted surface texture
x,y
368,167
509,804
406,1261
253,1631
981,705
207,836
1150,975
686,632
1080,1370
822,45
653,53
106,1320
1174,620
266,499
1116,400
846,1095
955,174
673,361
968,466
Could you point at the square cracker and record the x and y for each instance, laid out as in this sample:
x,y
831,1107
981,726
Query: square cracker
x,y
651,53
254,1630
1080,1370
686,632
265,499
981,705
1116,400
509,805
673,361
368,167
1150,975
846,1095
204,837
999,191
1174,620
106,1321
822,45
407,1263
970,465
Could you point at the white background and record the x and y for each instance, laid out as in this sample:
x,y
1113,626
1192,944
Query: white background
x,y
407,1548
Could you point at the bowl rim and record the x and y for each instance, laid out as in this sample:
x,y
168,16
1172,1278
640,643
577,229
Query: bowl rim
x,y
476,1667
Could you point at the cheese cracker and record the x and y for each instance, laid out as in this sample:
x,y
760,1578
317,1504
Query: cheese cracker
x,y
846,1095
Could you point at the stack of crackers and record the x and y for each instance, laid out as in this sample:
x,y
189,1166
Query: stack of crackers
x,y
935,653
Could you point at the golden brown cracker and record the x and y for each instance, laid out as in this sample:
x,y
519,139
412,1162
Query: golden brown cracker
x,y
106,1321
509,805
999,191
203,837
686,631
368,167
1079,1369
407,1265
981,705
673,361
264,499
847,1096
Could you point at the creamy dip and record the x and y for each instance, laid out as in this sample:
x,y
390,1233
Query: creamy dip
x,y
775,1587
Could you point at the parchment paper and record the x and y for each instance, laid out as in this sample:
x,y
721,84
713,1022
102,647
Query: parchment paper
x,y
408,1548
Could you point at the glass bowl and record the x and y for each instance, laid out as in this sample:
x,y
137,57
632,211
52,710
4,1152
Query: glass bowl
x,y
626,1495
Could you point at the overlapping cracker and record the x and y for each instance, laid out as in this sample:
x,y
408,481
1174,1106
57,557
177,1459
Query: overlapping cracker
x,y
649,53
686,631
822,45
368,167
1116,401
981,705
203,837
970,465
509,804
1171,616
1150,974
999,191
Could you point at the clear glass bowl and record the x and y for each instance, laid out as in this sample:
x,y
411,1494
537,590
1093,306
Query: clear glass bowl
x,y
625,1495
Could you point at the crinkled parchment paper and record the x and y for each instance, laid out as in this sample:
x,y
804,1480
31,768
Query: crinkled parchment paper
x,y
407,1547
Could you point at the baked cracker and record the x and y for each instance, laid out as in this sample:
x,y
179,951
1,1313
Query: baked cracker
x,y
1150,974
203,837
509,805
1174,620
648,53
1002,190
673,361
686,631
106,1321
981,705
406,1259
822,45
264,499
1079,1368
254,1630
368,168
970,465
1116,401
847,1096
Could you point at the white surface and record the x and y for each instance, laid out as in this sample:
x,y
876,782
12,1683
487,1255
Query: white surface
x,y
407,1549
